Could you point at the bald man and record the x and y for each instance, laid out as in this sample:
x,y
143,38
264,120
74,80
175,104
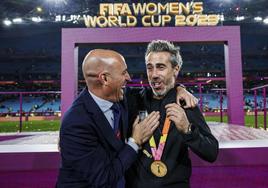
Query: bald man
x,y
93,153
95,149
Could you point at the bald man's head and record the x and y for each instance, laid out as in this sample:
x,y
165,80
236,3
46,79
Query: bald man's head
x,y
105,72
98,61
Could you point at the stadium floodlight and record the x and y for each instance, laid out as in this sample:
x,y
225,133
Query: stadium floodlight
x,y
240,18
7,22
36,19
39,9
258,19
222,17
265,21
17,20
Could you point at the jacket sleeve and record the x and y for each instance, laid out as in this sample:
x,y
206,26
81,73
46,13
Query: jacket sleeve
x,y
84,151
200,140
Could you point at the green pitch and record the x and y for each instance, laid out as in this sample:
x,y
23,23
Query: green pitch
x,y
28,126
249,120
53,125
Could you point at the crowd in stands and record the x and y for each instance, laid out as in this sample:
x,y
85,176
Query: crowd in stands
x,y
49,104
199,61
25,70
37,104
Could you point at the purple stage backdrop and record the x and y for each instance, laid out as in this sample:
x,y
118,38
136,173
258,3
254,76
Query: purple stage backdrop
x,y
229,36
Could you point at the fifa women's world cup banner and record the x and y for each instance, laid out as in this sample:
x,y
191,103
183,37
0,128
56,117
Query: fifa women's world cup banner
x,y
151,15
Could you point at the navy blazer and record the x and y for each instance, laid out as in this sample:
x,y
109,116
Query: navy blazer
x,y
92,156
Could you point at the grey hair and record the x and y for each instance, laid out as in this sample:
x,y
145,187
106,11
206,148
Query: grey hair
x,y
166,46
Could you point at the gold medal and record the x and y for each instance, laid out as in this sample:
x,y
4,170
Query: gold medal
x,y
158,168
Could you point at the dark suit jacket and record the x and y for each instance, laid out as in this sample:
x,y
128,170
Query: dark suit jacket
x,y
91,154
175,154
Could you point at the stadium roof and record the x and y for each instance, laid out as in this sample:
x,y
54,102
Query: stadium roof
x,y
243,11
20,32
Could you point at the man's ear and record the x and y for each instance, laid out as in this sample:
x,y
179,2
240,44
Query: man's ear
x,y
103,78
176,71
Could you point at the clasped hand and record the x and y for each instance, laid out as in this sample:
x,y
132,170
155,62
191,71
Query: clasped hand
x,y
143,130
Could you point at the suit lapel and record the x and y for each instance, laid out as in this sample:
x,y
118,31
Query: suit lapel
x,y
101,121
106,129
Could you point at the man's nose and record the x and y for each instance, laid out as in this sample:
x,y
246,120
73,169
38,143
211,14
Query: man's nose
x,y
128,77
154,73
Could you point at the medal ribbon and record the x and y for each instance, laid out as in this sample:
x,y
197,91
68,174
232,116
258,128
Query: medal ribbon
x,y
157,152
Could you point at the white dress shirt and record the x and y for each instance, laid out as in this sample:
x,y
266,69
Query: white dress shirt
x,y
105,107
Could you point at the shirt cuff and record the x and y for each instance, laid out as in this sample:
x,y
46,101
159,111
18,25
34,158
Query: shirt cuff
x,y
133,145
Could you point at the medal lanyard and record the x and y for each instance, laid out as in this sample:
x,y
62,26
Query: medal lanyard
x,y
157,152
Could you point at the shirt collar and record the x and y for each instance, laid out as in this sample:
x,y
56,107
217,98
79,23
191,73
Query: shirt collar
x,y
103,104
